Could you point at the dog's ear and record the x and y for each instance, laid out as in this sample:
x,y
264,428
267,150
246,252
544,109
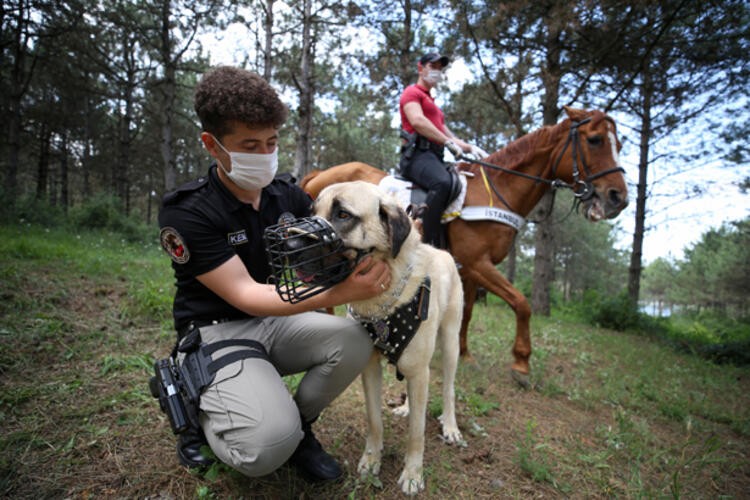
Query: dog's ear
x,y
396,223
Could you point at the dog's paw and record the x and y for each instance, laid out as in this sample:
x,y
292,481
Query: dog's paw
x,y
402,411
411,481
369,464
453,436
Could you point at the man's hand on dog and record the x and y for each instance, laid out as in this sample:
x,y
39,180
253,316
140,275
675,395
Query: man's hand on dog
x,y
369,278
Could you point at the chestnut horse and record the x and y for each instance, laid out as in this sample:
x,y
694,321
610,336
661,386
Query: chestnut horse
x,y
580,153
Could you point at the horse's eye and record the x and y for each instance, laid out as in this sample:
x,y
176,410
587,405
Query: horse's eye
x,y
595,140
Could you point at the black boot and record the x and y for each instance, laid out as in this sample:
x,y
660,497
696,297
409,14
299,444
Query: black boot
x,y
312,460
189,449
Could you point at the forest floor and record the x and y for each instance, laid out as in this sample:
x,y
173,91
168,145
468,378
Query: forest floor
x,y
610,415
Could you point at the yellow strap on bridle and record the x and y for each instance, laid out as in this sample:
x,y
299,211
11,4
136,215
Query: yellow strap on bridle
x,y
486,184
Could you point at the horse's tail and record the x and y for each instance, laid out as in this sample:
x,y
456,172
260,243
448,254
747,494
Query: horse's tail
x,y
310,176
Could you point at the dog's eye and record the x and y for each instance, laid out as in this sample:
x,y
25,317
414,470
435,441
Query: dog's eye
x,y
343,215
595,140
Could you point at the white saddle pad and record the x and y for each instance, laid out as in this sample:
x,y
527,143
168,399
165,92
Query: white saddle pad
x,y
402,189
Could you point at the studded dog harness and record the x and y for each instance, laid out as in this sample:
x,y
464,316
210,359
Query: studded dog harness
x,y
392,334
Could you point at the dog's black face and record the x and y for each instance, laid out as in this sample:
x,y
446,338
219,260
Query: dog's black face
x,y
315,253
306,257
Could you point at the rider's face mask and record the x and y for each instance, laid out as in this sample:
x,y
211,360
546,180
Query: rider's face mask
x,y
433,76
250,170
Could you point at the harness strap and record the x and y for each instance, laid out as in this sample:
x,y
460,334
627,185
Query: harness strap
x,y
392,335
486,184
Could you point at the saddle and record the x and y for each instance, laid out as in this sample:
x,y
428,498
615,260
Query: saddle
x,y
409,193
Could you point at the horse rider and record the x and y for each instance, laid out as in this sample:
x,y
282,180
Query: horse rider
x,y
425,137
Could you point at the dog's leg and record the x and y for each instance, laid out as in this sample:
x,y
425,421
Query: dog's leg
x,y
411,480
449,330
372,381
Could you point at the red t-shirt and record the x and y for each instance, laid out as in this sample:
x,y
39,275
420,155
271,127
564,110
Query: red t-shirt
x,y
415,93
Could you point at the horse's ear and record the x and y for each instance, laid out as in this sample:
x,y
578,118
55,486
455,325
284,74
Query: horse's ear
x,y
575,114
396,223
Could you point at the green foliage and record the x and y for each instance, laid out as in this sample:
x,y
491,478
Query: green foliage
x,y
715,272
105,212
712,335
610,311
29,209
531,456
150,298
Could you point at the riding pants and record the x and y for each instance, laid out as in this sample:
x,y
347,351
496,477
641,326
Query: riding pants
x,y
250,419
428,171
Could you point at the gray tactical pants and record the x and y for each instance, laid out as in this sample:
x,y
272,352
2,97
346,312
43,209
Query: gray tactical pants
x,y
251,421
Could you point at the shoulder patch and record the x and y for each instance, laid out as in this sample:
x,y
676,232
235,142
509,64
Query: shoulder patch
x,y
172,243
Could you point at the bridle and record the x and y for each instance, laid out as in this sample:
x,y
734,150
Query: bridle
x,y
582,188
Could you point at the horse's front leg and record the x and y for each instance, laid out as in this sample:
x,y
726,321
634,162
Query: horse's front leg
x,y
470,295
484,274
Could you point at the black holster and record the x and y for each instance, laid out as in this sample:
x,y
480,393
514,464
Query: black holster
x,y
408,146
179,386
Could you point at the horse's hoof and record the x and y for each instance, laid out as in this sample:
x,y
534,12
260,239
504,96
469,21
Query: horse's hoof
x,y
521,379
466,357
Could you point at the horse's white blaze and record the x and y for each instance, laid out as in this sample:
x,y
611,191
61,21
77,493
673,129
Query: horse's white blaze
x,y
613,145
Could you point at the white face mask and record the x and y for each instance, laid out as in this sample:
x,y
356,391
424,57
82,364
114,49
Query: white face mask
x,y
251,170
433,76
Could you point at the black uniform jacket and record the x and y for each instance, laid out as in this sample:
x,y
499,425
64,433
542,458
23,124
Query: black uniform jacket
x,y
203,225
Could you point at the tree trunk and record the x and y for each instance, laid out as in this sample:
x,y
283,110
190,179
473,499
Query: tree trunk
x,y
305,85
64,201
42,176
407,62
120,175
511,260
636,266
86,161
17,91
544,240
544,268
268,48
168,92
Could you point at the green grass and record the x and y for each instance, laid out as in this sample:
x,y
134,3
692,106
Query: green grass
x,y
612,415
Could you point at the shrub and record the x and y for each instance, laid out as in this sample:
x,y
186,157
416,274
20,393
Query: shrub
x,y
99,212
616,312
29,210
105,212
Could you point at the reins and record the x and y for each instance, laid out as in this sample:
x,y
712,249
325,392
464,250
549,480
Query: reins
x,y
586,190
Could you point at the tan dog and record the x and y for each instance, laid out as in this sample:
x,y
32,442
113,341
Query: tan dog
x,y
367,219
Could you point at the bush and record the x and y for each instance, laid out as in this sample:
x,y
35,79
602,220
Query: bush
x,y
104,212
29,210
616,312
99,212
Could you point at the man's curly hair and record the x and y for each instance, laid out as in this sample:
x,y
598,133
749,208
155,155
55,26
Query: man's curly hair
x,y
227,94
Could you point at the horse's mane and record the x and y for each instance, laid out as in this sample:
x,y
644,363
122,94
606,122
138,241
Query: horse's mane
x,y
520,150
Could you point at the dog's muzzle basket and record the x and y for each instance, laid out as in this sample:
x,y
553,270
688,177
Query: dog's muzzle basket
x,y
306,257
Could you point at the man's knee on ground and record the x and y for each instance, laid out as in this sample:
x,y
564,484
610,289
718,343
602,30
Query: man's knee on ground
x,y
260,451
